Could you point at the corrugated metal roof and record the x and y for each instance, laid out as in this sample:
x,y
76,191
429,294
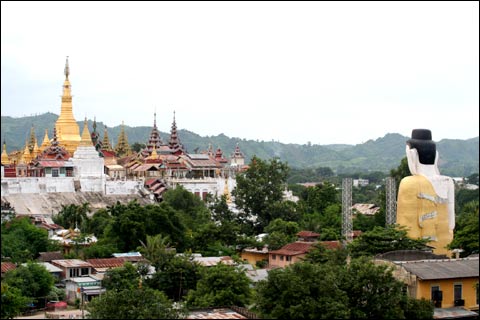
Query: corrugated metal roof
x,y
212,261
106,262
222,313
71,263
453,313
442,268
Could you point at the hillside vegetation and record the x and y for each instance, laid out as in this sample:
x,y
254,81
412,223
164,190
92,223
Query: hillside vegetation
x,y
457,157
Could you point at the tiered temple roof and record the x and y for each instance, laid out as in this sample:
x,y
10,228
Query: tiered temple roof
x,y
174,142
122,148
153,140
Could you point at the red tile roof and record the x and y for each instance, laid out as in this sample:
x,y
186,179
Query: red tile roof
x,y
7,266
331,244
295,248
307,234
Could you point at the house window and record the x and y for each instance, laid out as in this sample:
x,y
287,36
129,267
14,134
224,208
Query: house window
x,y
74,272
84,271
281,258
457,291
274,256
54,172
288,258
48,170
62,171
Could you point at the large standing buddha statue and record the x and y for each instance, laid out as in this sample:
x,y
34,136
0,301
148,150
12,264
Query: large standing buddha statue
x,y
67,128
426,204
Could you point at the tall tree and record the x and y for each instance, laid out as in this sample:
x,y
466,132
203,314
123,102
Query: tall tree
x,y
136,303
381,240
221,285
33,280
258,188
13,302
126,277
302,291
177,277
466,234
22,241
373,292
400,172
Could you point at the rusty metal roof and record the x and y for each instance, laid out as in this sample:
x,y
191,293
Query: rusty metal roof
x,y
453,313
106,262
220,313
442,268
71,263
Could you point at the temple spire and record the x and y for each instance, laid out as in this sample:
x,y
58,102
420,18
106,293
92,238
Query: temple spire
x,y
5,159
67,69
122,148
68,131
45,142
174,142
153,140
32,140
106,141
86,139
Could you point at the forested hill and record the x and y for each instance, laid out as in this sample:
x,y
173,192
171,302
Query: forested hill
x,y
457,157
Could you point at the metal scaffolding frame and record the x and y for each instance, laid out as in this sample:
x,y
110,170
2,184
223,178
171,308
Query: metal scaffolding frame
x,y
347,225
391,201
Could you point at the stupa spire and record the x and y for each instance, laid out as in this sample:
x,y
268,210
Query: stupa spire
x,y
86,139
5,159
45,142
67,128
106,141
122,148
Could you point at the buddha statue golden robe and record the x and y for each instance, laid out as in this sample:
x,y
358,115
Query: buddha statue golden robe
x,y
425,203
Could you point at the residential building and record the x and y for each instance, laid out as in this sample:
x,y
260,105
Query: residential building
x,y
447,282
72,268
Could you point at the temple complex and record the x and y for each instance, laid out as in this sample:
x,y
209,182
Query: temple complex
x,y
68,132
87,163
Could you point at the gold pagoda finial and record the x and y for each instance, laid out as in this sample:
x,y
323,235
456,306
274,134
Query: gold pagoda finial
x,y
67,69
26,157
86,139
5,159
36,150
154,154
46,141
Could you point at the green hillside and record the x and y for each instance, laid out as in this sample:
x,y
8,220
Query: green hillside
x,y
457,157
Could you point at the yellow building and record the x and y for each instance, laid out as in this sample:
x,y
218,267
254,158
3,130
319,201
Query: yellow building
x,y
448,283
253,255
68,132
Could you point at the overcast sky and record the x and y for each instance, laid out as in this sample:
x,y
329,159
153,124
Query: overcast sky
x,y
294,72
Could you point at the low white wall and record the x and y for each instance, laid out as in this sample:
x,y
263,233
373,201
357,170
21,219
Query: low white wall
x,y
37,185
122,187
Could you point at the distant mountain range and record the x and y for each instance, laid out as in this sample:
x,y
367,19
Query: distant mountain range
x,y
457,157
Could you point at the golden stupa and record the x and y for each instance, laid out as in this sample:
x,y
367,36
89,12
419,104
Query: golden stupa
x,y
68,132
